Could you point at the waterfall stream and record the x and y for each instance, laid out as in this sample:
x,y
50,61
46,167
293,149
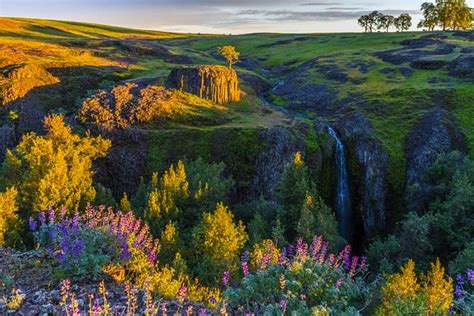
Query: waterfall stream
x,y
343,202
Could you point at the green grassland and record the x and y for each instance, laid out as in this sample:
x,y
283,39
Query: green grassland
x,y
392,102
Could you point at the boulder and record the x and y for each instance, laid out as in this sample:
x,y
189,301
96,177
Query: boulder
x,y
216,83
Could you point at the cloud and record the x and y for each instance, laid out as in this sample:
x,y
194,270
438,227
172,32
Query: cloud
x,y
321,3
292,15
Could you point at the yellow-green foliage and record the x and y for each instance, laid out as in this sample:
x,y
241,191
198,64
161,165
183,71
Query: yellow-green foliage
x,y
403,293
219,241
439,291
221,238
54,170
162,199
230,54
8,216
266,247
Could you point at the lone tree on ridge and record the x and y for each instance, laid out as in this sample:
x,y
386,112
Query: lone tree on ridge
x,y
230,54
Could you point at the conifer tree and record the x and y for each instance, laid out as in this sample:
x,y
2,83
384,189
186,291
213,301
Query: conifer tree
x,y
278,233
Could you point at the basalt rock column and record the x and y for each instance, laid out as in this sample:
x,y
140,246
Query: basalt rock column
x,y
216,83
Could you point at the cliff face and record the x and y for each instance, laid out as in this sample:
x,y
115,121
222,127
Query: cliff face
x,y
371,161
216,83
435,134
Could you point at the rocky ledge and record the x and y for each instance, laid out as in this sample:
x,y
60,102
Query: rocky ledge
x,y
216,83
26,289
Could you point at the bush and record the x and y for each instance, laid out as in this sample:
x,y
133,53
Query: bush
x,y
405,294
106,242
85,245
303,280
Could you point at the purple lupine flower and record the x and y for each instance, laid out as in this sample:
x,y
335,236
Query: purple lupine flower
x,y
42,218
363,264
355,260
75,221
226,278
152,257
332,259
265,260
51,215
300,247
322,255
347,257
202,311
78,246
470,275
316,246
32,224
245,268
340,282
458,292
62,213
291,250
60,256
181,295
281,258
96,309
125,251
282,305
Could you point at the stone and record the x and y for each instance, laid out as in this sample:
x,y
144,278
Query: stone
x,y
216,83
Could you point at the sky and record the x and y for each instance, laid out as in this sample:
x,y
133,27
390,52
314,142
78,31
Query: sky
x,y
215,16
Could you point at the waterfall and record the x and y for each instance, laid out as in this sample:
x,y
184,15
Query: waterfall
x,y
343,202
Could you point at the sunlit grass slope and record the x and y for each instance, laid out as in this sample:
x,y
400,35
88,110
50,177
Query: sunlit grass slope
x,y
49,29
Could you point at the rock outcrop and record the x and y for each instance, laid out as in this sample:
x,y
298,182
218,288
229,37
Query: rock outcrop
x,y
7,139
280,147
216,83
435,134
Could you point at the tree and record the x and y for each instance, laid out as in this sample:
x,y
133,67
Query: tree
x,y
385,22
462,15
278,234
257,231
125,205
400,292
430,16
8,217
444,10
404,294
364,22
53,170
292,192
437,290
230,54
182,194
373,19
218,241
403,22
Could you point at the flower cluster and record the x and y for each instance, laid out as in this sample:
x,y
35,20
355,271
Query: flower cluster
x,y
302,278
85,244
464,293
